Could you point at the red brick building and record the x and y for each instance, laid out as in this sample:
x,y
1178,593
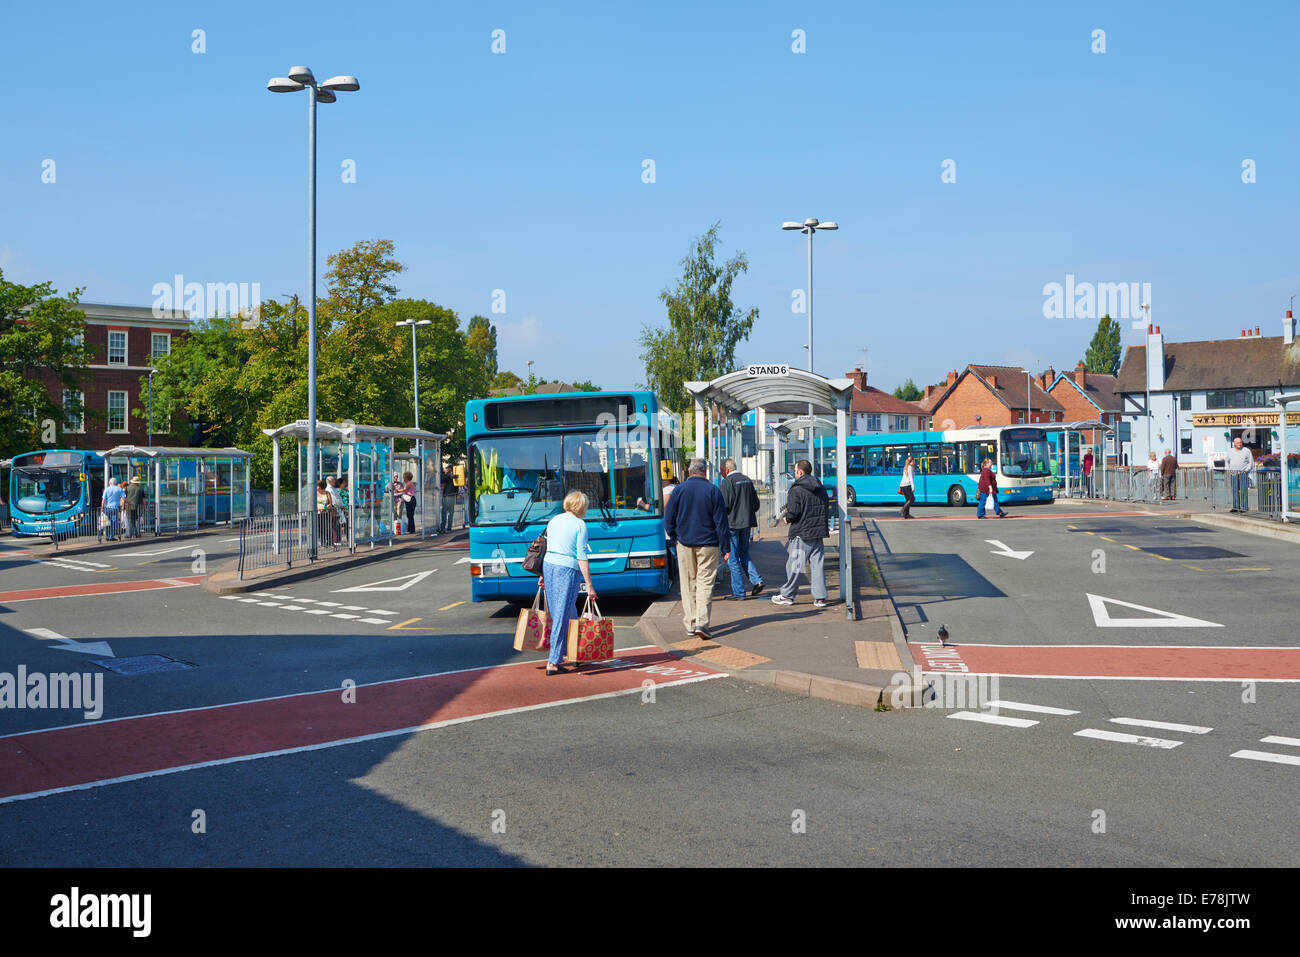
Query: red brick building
x,y
983,395
1086,395
123,342
874,411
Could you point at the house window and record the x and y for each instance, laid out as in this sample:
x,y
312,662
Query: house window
x,y
873,422
117,411
900,423
74,419
1185,442
1238,398
117,348
1185,402
160,344
1020,418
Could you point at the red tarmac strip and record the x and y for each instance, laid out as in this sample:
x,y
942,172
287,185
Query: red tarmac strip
x,y
1111,661
97,588
101,752
993,518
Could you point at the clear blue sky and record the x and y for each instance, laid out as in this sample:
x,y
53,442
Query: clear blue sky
x,y
522,171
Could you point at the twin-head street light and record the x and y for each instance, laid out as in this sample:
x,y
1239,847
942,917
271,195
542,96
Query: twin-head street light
x,y
809,227
300,78
415,369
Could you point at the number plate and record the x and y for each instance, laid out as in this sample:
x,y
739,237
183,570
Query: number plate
x,y
582,588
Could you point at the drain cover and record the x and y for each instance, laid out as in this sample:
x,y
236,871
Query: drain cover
x,y
1198,552
143,664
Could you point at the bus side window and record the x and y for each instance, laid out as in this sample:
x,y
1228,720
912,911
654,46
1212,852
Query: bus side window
x,y
875,461
857,464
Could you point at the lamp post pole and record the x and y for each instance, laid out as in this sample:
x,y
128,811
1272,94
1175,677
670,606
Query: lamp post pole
x,y
300,77
810,226
151,372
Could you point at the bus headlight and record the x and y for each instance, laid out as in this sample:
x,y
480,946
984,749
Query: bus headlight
x,y
488,570
638,563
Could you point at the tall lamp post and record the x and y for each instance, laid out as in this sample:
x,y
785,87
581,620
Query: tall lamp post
x,y
415,374
151,373
810,227
1146,353
300,78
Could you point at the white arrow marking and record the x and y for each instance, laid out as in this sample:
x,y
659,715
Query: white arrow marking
x,y
1007,552
86,647
464,561
1166,619
385,586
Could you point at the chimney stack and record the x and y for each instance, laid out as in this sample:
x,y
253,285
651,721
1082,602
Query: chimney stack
x,y
1257,330
1288,329
993,382
1155,359
952,378
1080,374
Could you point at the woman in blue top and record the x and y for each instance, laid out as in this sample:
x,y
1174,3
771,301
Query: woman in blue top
x,y
566,558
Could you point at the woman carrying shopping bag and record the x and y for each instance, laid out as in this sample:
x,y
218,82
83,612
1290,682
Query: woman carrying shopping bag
x,y
566,559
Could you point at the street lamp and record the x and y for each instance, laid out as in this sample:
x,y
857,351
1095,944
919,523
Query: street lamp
x,y
1146,352
809,227
299,78
415,369
151,372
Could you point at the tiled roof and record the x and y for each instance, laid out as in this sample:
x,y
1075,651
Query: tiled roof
x,y
1011,388
1216,364
1097,387
872,399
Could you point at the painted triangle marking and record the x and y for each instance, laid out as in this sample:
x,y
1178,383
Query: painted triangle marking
x,y
1167,619
386,583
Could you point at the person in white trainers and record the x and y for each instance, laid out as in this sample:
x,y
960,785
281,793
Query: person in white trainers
x,y
807,512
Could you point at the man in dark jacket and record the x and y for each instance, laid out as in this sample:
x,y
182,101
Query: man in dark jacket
x,y
742,515
988,486
1168,476
696,517
807,512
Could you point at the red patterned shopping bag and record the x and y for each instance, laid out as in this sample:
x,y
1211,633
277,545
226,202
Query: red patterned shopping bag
x,y
591,637
534,628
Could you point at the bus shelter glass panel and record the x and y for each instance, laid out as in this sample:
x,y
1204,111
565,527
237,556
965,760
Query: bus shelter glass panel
x,y
1293,465
178,506
238,489
372,489
331,459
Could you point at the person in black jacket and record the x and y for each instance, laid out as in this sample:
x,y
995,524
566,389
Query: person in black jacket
x,y
807,512
696,518
742,515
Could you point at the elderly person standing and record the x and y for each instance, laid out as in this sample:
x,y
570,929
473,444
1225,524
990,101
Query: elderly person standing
x,y
567,554
112,505
1241,462
741,499
807,512
1168,476
696,517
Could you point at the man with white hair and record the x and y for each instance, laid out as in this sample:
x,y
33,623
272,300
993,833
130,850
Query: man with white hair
x,y
112,505
696,516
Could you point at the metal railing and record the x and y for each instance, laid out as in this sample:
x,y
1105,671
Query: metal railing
x,y
285,539
1211,486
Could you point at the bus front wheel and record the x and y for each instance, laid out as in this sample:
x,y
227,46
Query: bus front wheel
x,y
956,496
850,497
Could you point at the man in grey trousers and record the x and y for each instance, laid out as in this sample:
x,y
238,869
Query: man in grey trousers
x,y
807,512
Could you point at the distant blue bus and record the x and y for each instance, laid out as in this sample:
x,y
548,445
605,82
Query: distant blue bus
x,y
51,489
947,465
527,452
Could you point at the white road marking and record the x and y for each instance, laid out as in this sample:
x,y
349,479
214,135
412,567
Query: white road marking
x,y
70,644
331,604
343,616
1162,725
1267,756
160,551
291,608
1035,708
253,600
1166,619
270,604
1126,738
380,611
352,608
993,719
384,583
463,561
318,611
1278,739
1006,552
375,621
230,597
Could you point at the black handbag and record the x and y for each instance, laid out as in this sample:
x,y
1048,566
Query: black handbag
x,y
535,555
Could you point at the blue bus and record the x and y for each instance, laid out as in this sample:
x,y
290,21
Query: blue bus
x,y
947,465
527,452
50,490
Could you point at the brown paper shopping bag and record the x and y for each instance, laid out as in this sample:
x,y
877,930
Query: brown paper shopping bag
x,y
534,626
591,637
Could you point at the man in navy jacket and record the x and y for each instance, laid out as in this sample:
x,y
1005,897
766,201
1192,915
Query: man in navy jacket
x,y
696,517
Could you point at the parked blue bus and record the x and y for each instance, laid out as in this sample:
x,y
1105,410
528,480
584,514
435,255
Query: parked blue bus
x,y
49,490
947,465
527,452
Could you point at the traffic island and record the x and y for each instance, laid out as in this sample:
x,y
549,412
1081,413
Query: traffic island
x,y
799,648
226,580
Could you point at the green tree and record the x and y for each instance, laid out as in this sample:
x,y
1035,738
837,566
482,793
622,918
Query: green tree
x,y
1104,352
587,386
361,277
704,325
908,392
42,346
506,380
482,339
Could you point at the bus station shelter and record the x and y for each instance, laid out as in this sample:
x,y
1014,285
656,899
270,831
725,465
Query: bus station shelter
x,y
780,391
1290,476
366,455
185,487
1070,443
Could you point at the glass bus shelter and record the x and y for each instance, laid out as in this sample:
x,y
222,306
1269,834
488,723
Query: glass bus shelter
x,y
184,487
365,454
1067,443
